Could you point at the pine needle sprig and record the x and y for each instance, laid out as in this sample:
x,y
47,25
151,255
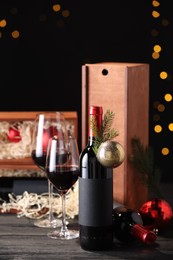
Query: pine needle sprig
x,y
143,160
106,132
142,157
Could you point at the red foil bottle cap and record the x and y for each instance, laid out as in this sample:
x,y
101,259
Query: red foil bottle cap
x,y
95,110
146,236
150,238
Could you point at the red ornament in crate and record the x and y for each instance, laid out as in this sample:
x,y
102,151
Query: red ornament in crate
x,y
49,132
14,134
156,214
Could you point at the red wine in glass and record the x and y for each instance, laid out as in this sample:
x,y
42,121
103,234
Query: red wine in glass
x,y
46,125
62,168
63,178
39,161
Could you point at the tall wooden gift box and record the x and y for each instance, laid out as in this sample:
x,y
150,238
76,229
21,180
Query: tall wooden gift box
x,y
124,89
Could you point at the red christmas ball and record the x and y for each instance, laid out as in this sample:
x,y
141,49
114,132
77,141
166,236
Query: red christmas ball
x,y
156,214
47,134
14,134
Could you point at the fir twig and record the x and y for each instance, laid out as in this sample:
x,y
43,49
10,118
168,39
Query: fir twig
x,y
106,132
143,160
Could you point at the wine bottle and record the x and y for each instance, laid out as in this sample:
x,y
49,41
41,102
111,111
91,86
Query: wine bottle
x,y
128,226
95,194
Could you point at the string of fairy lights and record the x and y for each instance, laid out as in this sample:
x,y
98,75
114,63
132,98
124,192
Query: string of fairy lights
x,y
163,77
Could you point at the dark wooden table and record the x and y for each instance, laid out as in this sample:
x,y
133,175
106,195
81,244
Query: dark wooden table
x,y
21,240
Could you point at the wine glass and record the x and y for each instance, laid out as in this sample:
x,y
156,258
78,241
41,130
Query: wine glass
x,y
62,168
45,126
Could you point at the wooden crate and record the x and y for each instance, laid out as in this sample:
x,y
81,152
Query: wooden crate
x,y
124,89
26,163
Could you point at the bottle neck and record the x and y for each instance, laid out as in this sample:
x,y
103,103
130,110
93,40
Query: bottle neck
x,y
146,236
95,123
91,141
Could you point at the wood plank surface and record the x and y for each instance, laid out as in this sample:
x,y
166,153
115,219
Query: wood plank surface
x,y
21,240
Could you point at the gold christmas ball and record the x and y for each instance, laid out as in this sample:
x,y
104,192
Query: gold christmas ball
x,y
111,154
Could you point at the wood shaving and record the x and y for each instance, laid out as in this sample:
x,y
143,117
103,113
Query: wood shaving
x,y
22,149
36,206
22,173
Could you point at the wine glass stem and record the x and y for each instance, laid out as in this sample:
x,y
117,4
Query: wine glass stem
x,y
64,229
50,192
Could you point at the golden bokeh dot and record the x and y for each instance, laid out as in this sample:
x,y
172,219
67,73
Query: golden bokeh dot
x,y
3,23
155,3
165,151
155,14
56,7
155,55
158,128
170,127
157,48
163,75
15,34
161,108
168,97
65,13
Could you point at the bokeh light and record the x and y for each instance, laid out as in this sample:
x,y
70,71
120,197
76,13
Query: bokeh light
x,y
158,128
162,123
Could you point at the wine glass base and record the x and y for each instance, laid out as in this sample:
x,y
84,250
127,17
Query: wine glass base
x,y
46,223
57,234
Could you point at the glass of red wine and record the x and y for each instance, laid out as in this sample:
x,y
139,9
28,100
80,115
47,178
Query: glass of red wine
x,y
62,168
46,126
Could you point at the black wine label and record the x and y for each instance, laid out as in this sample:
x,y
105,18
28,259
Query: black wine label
x,y
95,202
